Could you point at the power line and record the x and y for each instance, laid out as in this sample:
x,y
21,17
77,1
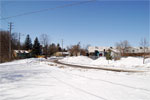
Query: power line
x,y
43,10
0,14
4,10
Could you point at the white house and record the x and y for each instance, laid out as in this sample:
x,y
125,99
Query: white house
x,y
137,50
100,51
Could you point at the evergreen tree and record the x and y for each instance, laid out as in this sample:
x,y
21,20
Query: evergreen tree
x,y
28,43
58,47
36,48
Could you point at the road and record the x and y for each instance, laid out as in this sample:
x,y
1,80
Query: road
x,y
99,68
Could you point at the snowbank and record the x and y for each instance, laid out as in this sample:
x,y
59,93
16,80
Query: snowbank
x,y
101,61
128,62
77,60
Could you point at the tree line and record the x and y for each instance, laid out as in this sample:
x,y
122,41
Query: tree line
x,y
41,47
38,47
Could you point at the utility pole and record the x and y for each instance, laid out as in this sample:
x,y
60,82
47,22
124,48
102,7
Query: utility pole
x,y
10,49
62,46
0,48
19,45
20,34
0,34
19,42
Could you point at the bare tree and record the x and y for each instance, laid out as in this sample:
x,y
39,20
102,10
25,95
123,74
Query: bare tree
x,y
144,44
87,46
122,46
15,41
4,45
4,54
75,49
44,39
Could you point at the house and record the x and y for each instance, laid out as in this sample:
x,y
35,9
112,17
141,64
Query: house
x,y
115,53
136,51
22,53
97,51
62,54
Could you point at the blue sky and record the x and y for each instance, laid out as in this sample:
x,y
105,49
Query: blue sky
x,y
100,23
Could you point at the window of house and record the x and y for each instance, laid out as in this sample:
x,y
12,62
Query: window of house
x,y
133,51
141,48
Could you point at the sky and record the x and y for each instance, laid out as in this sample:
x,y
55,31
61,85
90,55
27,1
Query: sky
x,y
98,23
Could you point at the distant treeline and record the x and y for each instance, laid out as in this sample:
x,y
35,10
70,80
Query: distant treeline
x,y
35,48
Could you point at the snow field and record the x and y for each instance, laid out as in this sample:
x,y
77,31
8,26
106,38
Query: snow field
x,y
37,80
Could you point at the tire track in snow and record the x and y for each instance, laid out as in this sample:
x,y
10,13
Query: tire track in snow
x,y
99,68
114,83
79,89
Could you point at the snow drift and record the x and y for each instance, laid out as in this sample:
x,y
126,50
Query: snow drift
x,y
77,60
128,62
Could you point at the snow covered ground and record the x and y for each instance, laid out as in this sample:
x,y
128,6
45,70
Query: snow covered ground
x,y
126,63
38,79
